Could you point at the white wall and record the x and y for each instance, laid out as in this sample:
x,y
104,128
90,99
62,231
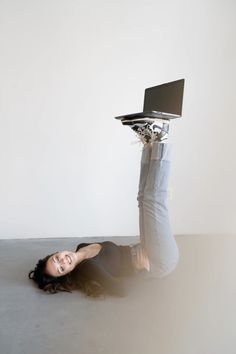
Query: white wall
x,y
67,68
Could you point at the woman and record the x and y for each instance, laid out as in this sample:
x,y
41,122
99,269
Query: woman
x,y
98,268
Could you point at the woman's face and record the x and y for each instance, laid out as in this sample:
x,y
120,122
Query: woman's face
x,y
61,263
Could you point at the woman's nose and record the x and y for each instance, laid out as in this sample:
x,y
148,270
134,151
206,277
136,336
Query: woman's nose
x,y
62,260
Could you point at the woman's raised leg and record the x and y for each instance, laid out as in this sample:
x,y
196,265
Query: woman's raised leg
x,y
156,236
159,240
145,160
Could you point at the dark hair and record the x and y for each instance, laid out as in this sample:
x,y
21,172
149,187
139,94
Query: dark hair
x,y
71,281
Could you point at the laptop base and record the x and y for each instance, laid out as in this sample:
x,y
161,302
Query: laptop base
x,y
152,114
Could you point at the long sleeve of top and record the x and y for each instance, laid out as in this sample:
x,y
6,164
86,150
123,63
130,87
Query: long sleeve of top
x,y
108,267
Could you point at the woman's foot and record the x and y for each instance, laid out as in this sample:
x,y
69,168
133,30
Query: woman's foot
x,y
149,130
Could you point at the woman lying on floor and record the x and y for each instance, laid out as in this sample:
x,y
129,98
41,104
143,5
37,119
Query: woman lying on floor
x,y
98,268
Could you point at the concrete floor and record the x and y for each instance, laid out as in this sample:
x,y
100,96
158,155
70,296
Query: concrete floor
x,y
191,311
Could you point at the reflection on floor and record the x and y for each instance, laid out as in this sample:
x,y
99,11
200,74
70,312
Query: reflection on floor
x,y
190,311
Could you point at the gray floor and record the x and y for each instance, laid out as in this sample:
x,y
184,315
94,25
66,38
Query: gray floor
x,y
191,311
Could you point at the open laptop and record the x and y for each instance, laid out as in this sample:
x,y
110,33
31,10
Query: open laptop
x,y
162,101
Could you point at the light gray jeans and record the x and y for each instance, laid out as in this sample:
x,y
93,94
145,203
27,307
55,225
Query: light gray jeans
x,y
156,236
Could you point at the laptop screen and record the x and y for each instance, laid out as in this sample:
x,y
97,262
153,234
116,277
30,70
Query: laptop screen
x,y
165,98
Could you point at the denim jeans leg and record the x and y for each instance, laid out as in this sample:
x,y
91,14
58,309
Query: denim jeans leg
x,y
159,241
145,160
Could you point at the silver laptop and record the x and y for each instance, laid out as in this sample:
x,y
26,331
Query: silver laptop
x,y
162,101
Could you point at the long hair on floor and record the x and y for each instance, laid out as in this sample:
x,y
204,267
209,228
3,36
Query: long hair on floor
x,y
71,281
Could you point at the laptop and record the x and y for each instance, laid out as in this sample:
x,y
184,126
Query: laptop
x,y
162,101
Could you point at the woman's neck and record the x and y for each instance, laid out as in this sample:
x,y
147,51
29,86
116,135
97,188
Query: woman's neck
x,y
89,251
